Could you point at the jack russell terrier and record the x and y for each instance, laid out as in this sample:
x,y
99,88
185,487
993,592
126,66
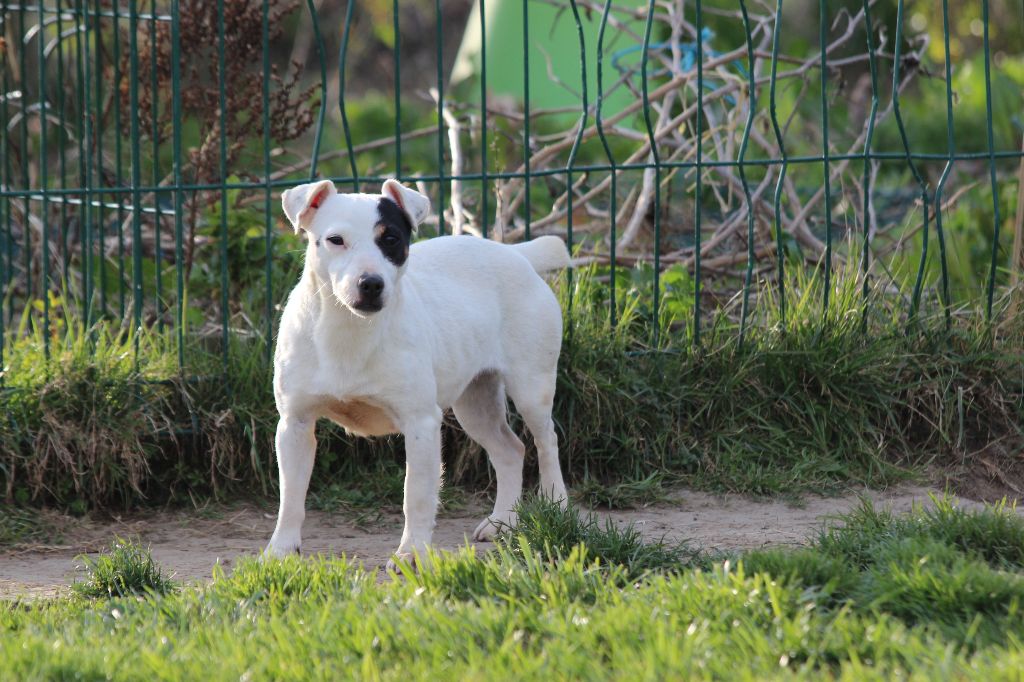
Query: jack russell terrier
x,y
382,337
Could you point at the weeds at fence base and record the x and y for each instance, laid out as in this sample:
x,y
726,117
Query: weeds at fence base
x,y
804,405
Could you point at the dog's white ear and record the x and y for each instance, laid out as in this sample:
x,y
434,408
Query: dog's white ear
x,y
300,203
412,202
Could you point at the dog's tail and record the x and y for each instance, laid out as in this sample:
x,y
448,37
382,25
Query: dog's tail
x,y
544,253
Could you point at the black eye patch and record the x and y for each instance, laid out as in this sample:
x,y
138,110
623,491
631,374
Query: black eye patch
x,y
394,231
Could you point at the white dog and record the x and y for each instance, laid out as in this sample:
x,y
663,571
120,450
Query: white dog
x,y
382,338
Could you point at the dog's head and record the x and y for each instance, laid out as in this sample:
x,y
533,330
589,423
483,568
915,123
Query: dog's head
x,y
358,243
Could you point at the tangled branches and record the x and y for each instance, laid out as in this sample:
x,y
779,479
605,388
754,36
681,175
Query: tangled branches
x,y
785,93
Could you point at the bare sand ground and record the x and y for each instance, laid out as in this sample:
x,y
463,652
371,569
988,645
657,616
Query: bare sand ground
x,y
189,544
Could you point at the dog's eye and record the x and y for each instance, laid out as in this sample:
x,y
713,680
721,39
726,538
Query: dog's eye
x,y
389,240
336,240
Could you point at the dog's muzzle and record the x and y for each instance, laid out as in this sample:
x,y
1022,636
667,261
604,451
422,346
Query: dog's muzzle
x,y
370,288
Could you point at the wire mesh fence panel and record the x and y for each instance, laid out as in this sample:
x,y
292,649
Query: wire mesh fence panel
x,y
707,162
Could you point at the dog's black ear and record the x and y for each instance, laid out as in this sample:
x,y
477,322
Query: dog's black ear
x,y
416,206
300,203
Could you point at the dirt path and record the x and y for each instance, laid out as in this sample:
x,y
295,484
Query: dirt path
x,y
190,544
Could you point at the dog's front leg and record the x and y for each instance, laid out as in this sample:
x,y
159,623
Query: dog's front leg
x,y
296,450
422,483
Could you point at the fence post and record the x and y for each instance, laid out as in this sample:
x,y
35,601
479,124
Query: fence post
x,y
751,106
991,162
653,140
827,181
613,209
176,144
1017,252
951,156
780,255
699,190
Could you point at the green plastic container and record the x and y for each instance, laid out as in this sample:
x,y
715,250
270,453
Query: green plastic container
x,y
553,52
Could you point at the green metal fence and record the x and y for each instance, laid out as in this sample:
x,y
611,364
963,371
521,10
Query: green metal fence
x,y
133,132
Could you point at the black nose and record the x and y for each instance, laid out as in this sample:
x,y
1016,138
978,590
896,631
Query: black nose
x,y
370,286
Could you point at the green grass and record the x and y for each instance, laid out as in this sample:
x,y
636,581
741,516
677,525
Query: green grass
x,y
552,533
125,569
933,595
627,493
816,402
959,572
21,525
812,402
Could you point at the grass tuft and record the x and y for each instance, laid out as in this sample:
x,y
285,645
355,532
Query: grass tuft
x,y
554,533
946,567
994,536
629,493
19,525
125,569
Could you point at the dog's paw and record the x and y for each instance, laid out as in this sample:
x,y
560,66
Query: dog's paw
x,y
400,559
556,493
490,527
280,550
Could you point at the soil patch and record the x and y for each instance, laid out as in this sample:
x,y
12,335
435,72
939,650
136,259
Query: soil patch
x,y
189,544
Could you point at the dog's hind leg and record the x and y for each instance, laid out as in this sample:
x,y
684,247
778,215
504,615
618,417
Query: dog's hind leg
x,y
534,395
482,412
296,450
